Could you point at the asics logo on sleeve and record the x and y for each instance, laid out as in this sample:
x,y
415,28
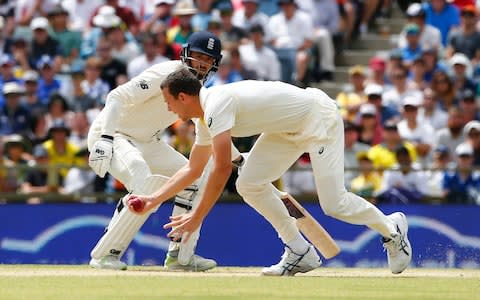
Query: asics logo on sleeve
x,y
100,151
209,123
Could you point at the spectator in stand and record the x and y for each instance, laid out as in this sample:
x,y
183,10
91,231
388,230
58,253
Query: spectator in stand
x,y
402,88
369,182
432,64
430,112
326,23
444,90
47,84
232,36
225,74
442,15
460,65
374,96
79,129
405,183
472,136
237,65
466,39
452,135
413,47
32,101
290,34
113,70
462,186
125,14
43,44
430,37
20,51
421,135
122,49
353,95
417,74
383,155
80,12
257,57
352,148
184,10
69,41
149,57
162,15
370,129
36,179
440,163
93,86
58,111
164,48
7,74
60,150
26,10
183,137
15,160
203,15
394,61
377,68
468,106
80,101
249,15
14,116
80,179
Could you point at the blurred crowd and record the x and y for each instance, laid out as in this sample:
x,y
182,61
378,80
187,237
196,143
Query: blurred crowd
x,y
412,129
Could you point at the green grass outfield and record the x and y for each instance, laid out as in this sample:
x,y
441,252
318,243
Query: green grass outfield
x,y
40,282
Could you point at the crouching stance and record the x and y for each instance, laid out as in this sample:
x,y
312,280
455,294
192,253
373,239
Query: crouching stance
x,y
291,121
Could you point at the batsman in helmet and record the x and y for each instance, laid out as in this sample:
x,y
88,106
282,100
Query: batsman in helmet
x,y
125,141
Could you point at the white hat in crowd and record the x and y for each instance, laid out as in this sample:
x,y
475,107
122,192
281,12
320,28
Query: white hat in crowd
x,y
106,17
474,124
12,88
464,149
184,8
412,101
39,23
373,89
459,59
368,109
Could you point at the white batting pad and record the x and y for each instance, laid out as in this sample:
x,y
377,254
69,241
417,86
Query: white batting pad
x,y
125,225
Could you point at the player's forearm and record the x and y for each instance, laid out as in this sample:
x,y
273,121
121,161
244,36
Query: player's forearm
x,y
213,189
183,178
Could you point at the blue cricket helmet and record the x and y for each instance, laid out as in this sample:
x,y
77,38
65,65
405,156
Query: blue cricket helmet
x,y
206,43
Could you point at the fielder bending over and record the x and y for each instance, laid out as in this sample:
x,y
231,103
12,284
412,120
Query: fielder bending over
x,y
125,140
291,121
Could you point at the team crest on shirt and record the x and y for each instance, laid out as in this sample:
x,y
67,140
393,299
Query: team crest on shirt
x,y
209,122
143,84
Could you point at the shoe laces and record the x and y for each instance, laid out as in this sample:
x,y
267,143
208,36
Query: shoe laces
x,y
290,260
395,245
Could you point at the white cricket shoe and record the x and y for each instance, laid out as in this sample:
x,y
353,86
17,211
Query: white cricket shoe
x,y
109,262
293,263
399,251
196,264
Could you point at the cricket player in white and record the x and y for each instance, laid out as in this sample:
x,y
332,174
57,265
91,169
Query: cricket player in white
x,y
291,121
125,140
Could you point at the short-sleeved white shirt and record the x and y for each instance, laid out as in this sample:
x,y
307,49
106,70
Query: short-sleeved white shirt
x,y
248,108
290,33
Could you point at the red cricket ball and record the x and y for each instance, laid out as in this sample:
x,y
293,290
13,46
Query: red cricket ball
x,y
136,204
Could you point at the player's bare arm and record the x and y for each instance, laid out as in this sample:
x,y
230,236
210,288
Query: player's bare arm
x,y
219,175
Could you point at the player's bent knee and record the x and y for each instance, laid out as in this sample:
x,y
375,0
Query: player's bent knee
x,y
336,205
248,189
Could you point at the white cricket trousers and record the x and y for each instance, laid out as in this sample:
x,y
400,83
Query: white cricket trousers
x,y
273,154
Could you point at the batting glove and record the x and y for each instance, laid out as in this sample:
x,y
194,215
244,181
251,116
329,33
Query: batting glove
x,y
101,155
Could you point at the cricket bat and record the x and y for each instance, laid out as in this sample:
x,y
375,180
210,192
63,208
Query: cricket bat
x,y
310,228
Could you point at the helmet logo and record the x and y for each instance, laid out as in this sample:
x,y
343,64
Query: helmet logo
x,y
211,43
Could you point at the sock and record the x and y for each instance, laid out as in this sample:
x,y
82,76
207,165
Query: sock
x,y
298,245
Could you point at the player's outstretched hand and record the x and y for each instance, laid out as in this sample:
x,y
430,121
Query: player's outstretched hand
x,y
182,226
139,204
101,155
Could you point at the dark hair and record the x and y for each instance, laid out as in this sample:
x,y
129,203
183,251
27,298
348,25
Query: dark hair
x,y
182,81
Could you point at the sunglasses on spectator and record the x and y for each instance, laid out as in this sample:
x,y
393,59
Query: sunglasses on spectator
x,y
399,76
374,97
410,108
467,14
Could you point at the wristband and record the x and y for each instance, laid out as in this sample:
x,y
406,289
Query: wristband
x,y
108,137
